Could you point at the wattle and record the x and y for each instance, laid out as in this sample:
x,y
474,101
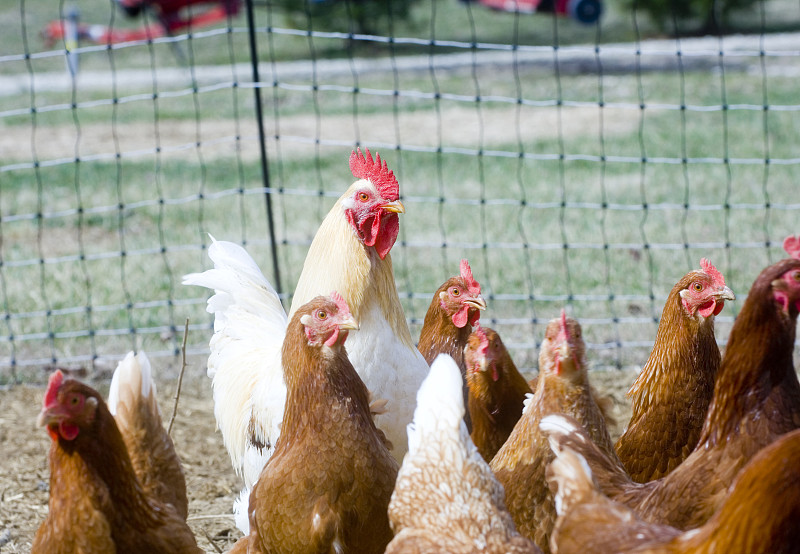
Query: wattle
x,y
709,308
68,431
460,317
387,233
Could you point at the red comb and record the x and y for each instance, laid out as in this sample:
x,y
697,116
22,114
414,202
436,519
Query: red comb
x,y
53,385
344,309
376,172
713,272
564,333
466,273
792,246
484,344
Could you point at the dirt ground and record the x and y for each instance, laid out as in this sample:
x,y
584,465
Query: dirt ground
x,y
212,485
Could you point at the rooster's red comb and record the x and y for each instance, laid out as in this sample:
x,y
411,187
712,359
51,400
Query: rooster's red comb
x,y
344,309
363,167
483,346
792,246
466,273
713,272
53,385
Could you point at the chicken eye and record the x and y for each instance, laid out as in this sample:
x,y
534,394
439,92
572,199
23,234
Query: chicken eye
x,y
796,276
322,314
455,292
74,400
363,196
697,287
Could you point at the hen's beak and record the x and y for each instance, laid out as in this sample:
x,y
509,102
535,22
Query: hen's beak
x,y
726,294
395,207
349,324
477,302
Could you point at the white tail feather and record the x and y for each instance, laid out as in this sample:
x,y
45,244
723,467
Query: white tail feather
x,y
249,327
573,476
133,377
440,402
556,426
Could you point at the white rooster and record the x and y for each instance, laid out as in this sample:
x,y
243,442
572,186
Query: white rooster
x,y
349,254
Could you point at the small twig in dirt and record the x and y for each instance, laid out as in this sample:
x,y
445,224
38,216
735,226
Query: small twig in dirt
x,y
180,377
211,541
216,516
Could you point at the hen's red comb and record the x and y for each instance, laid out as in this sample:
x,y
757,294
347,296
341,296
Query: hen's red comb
x,y
792,246
344,309
376,172
564,333
483,346
53,385
466,273
713,272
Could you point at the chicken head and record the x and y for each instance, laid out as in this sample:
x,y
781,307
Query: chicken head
x,y
328,320
67,407
374,202
563,350
462,299
706,292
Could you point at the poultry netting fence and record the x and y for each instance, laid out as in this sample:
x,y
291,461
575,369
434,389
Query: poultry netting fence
x,y
585,167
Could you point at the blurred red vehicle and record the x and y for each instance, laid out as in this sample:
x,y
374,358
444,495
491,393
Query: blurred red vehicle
x,y
169,15
585,11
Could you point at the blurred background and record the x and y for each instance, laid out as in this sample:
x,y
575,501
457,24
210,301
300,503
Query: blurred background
x,y
582,154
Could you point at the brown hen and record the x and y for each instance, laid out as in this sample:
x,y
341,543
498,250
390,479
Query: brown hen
x,y
455,308
670,397
97,501
496,390
759,516
756,400
328,484
562,387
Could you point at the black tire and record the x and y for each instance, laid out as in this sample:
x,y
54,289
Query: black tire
x,y
585,11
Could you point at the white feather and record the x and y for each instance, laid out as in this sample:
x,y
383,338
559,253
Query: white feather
x,y
440,404
132,372
249,328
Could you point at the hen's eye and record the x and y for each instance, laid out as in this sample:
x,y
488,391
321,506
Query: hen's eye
x,y
698,287
363,196
322,314
796,276
74,400
455,292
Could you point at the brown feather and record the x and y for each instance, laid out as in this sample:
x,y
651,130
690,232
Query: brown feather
x,y
521,462
96,502
494,406
756,400
671,395
331,476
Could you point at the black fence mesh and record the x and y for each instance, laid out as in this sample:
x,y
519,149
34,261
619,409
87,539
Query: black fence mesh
x,y
578,166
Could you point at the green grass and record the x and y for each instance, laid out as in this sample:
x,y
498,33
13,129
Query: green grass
x,y
172,200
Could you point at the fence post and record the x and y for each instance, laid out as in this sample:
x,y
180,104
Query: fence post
x,y
262,143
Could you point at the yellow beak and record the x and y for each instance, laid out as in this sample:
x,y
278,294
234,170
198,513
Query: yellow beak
x,y
349,323
477,302
395,207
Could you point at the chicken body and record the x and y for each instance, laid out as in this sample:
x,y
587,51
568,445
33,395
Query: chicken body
x,y
349,254
759,515
756,400
496,391
454,309
562,387
671,395
327,486
446,498
98,503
